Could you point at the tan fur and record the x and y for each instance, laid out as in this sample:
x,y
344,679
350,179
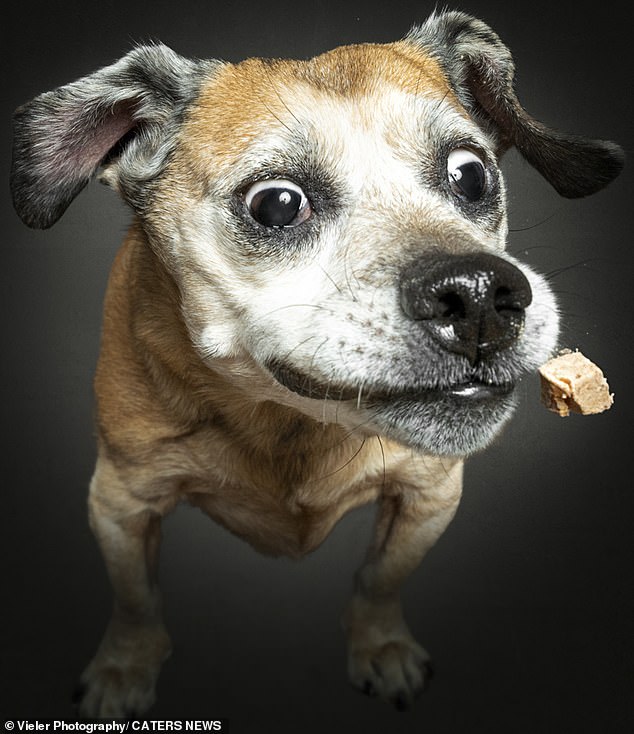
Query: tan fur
x,y
244,98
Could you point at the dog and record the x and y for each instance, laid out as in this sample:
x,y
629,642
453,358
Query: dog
x,y
313,308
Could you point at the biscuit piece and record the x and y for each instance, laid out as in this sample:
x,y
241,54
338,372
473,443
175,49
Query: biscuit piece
x,y
571,382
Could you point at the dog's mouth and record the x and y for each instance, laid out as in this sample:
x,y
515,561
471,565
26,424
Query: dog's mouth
x,y
468,391
454,418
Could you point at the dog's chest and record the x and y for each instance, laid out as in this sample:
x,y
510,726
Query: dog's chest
x,y
277,526
284,503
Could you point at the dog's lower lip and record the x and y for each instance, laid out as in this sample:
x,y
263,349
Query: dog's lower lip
x,y
464,392
307,387
476,390
472,390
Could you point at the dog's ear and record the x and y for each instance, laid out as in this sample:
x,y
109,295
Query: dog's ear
x,y
123,116
481,71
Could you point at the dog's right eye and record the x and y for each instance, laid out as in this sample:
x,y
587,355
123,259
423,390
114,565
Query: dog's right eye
x,y
277,203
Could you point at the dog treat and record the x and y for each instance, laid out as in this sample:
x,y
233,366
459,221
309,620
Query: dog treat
x,y
571,382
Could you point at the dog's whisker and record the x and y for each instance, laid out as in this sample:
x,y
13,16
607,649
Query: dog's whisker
x,y
384,481
316,306
353,295
513,230
355,298
324,405
267,107
359,396
559,271
307,383
275,88
356,279
330,278
353,431
525,250
327,399
298,346
312,359
346,253
436,111
276,117
346,464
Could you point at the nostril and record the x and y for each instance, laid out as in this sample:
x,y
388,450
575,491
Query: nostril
x,y
451,306
507,301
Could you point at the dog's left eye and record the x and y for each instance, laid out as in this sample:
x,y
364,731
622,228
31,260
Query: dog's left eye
x,y
277,203
467,174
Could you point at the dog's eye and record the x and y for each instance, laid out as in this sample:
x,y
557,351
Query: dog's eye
x,y
467,174
277,203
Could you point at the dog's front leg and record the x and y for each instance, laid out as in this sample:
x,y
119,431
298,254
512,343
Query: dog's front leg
x,y
121,678
383,658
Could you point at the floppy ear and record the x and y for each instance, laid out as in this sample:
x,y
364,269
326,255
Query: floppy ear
x,y
481,71
125,115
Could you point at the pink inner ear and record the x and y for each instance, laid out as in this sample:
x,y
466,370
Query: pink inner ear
x,y
83,147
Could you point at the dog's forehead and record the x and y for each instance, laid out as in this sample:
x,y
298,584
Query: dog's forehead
x,y
243,103
359,70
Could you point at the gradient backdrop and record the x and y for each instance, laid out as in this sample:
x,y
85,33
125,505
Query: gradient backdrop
x,y
525,604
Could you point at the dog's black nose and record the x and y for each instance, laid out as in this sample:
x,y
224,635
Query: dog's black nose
x,y
470,304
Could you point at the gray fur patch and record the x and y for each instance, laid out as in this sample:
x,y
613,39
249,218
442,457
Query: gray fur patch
x,y
481,70
130,111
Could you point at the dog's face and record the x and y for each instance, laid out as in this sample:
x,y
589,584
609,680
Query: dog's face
x,y
314,193
339,225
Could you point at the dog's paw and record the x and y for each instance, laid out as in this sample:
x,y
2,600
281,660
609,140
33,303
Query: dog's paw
x,y
396,671
120,681
384,660
110,691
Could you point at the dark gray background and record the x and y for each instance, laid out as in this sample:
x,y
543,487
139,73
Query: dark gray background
x,y
525,604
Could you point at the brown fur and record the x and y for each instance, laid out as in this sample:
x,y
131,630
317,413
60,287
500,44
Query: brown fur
x,y
181,431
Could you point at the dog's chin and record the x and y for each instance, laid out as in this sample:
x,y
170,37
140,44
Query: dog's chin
x,y
453,420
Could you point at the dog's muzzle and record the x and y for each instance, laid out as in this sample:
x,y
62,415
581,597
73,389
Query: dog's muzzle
x,y
454,384
463,313
471,305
